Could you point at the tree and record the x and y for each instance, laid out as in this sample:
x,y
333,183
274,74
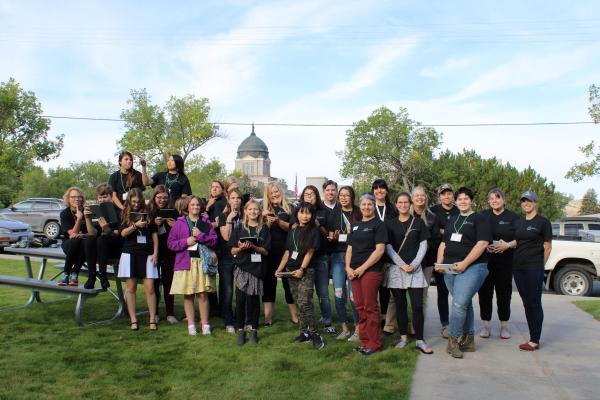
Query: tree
x,y
201,174
23,137
589,204
391,146
590,167
180,127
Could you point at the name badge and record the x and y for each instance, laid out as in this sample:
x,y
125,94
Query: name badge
x,y
162,230
355,228
193,247
255,257
456,237
294,255
141,239
343,237
124,196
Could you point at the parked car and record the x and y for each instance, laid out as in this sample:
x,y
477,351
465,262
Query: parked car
x,y
570,226
573,266
13,231
43,214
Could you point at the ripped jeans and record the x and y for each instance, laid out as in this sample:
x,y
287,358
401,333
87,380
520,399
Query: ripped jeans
x,y
340,291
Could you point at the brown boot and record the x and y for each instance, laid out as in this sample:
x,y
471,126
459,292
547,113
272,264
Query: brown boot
x,y
453,347
467,344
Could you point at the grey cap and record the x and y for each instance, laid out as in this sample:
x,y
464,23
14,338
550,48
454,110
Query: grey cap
x,y
529,195
444,187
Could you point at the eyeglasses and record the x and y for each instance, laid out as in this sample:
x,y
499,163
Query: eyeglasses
x,y
344,195
309,194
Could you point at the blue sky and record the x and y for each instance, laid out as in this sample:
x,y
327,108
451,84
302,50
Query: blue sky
x,y
317,62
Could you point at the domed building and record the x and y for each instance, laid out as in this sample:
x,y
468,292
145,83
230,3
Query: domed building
x,y
253,159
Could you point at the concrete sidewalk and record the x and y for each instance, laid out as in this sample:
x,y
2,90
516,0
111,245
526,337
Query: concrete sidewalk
x,y
567,366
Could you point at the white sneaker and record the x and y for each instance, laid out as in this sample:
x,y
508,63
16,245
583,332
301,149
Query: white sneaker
x,y
343,335
504,333
171,319
206,329
354,337
192,330
229,329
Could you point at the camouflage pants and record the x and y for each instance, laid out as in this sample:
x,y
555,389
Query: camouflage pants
x,y
302,291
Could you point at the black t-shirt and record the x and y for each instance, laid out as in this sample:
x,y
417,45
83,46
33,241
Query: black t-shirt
x,y
435,237
473,228
217,208
244,258
397,230
224,246
530,236
443,214
67,221
133,245
118,183
278,235
177,184
363,239
387,212
337,221
503,227
292,244
321,215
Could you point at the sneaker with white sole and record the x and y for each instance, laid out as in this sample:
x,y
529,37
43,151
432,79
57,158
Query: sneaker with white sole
x,y
192,330
485,332
229,329
330,329
343,335
504,333
171,319
206,329
354,337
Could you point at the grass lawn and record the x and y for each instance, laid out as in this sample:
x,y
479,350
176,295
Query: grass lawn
x,y
590,306
45,355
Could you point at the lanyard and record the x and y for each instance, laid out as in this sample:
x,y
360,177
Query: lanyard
x,y
294,239
122,184
381,215
169,182
343,222
190,225
461,225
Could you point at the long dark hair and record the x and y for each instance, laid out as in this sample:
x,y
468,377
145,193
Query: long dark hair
x,y
152,207
178,163
319,204
356,214
307,235
125,214
130,172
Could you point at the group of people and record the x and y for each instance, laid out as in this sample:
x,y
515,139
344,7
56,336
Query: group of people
x,y
383,248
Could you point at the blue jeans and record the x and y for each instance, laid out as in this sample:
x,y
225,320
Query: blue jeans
x,y
338,274
226,290
530,284
463,287
321,266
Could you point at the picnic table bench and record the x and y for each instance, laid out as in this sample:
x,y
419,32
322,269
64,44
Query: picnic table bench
x,y
40,284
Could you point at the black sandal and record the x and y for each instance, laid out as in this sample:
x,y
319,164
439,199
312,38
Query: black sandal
x,y
136,326
155,326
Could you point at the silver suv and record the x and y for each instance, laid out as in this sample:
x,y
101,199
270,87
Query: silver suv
x,y
43,214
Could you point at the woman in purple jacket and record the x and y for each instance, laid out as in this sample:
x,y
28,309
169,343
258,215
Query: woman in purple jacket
x,y
190,278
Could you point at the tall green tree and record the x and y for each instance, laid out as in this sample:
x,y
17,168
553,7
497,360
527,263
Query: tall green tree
x,y
155,132
391,146
589,204
202,173
23,137
591,166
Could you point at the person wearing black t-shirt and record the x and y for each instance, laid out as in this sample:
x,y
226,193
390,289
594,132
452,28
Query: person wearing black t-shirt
x,y
166,257
466,238
364,267
533,237
500,260
302,242
276,212
443,210
406,249
228,221
140,254
339,225
76,224
250,243
217,201
174,178
125,179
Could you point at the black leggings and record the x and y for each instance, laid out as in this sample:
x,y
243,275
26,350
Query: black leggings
x,y
247,309
500,278
416,303
79,250
166,261
442,298
270,281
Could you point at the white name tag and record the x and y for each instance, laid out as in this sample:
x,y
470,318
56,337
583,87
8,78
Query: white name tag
x,y
124,196
355,228
162,230
193,247
141,239
294,255
255,257
343,237
456,237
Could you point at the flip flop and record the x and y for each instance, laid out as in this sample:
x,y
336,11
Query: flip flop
x,y
401,344
423,347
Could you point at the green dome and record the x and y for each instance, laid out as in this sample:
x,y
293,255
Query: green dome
x,y
253,146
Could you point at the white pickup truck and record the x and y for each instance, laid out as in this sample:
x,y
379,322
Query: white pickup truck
x,y
573,266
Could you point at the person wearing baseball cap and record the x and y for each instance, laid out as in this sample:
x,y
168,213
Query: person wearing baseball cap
x,y
533,241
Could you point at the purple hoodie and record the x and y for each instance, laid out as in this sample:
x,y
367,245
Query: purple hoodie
x,y
177,241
